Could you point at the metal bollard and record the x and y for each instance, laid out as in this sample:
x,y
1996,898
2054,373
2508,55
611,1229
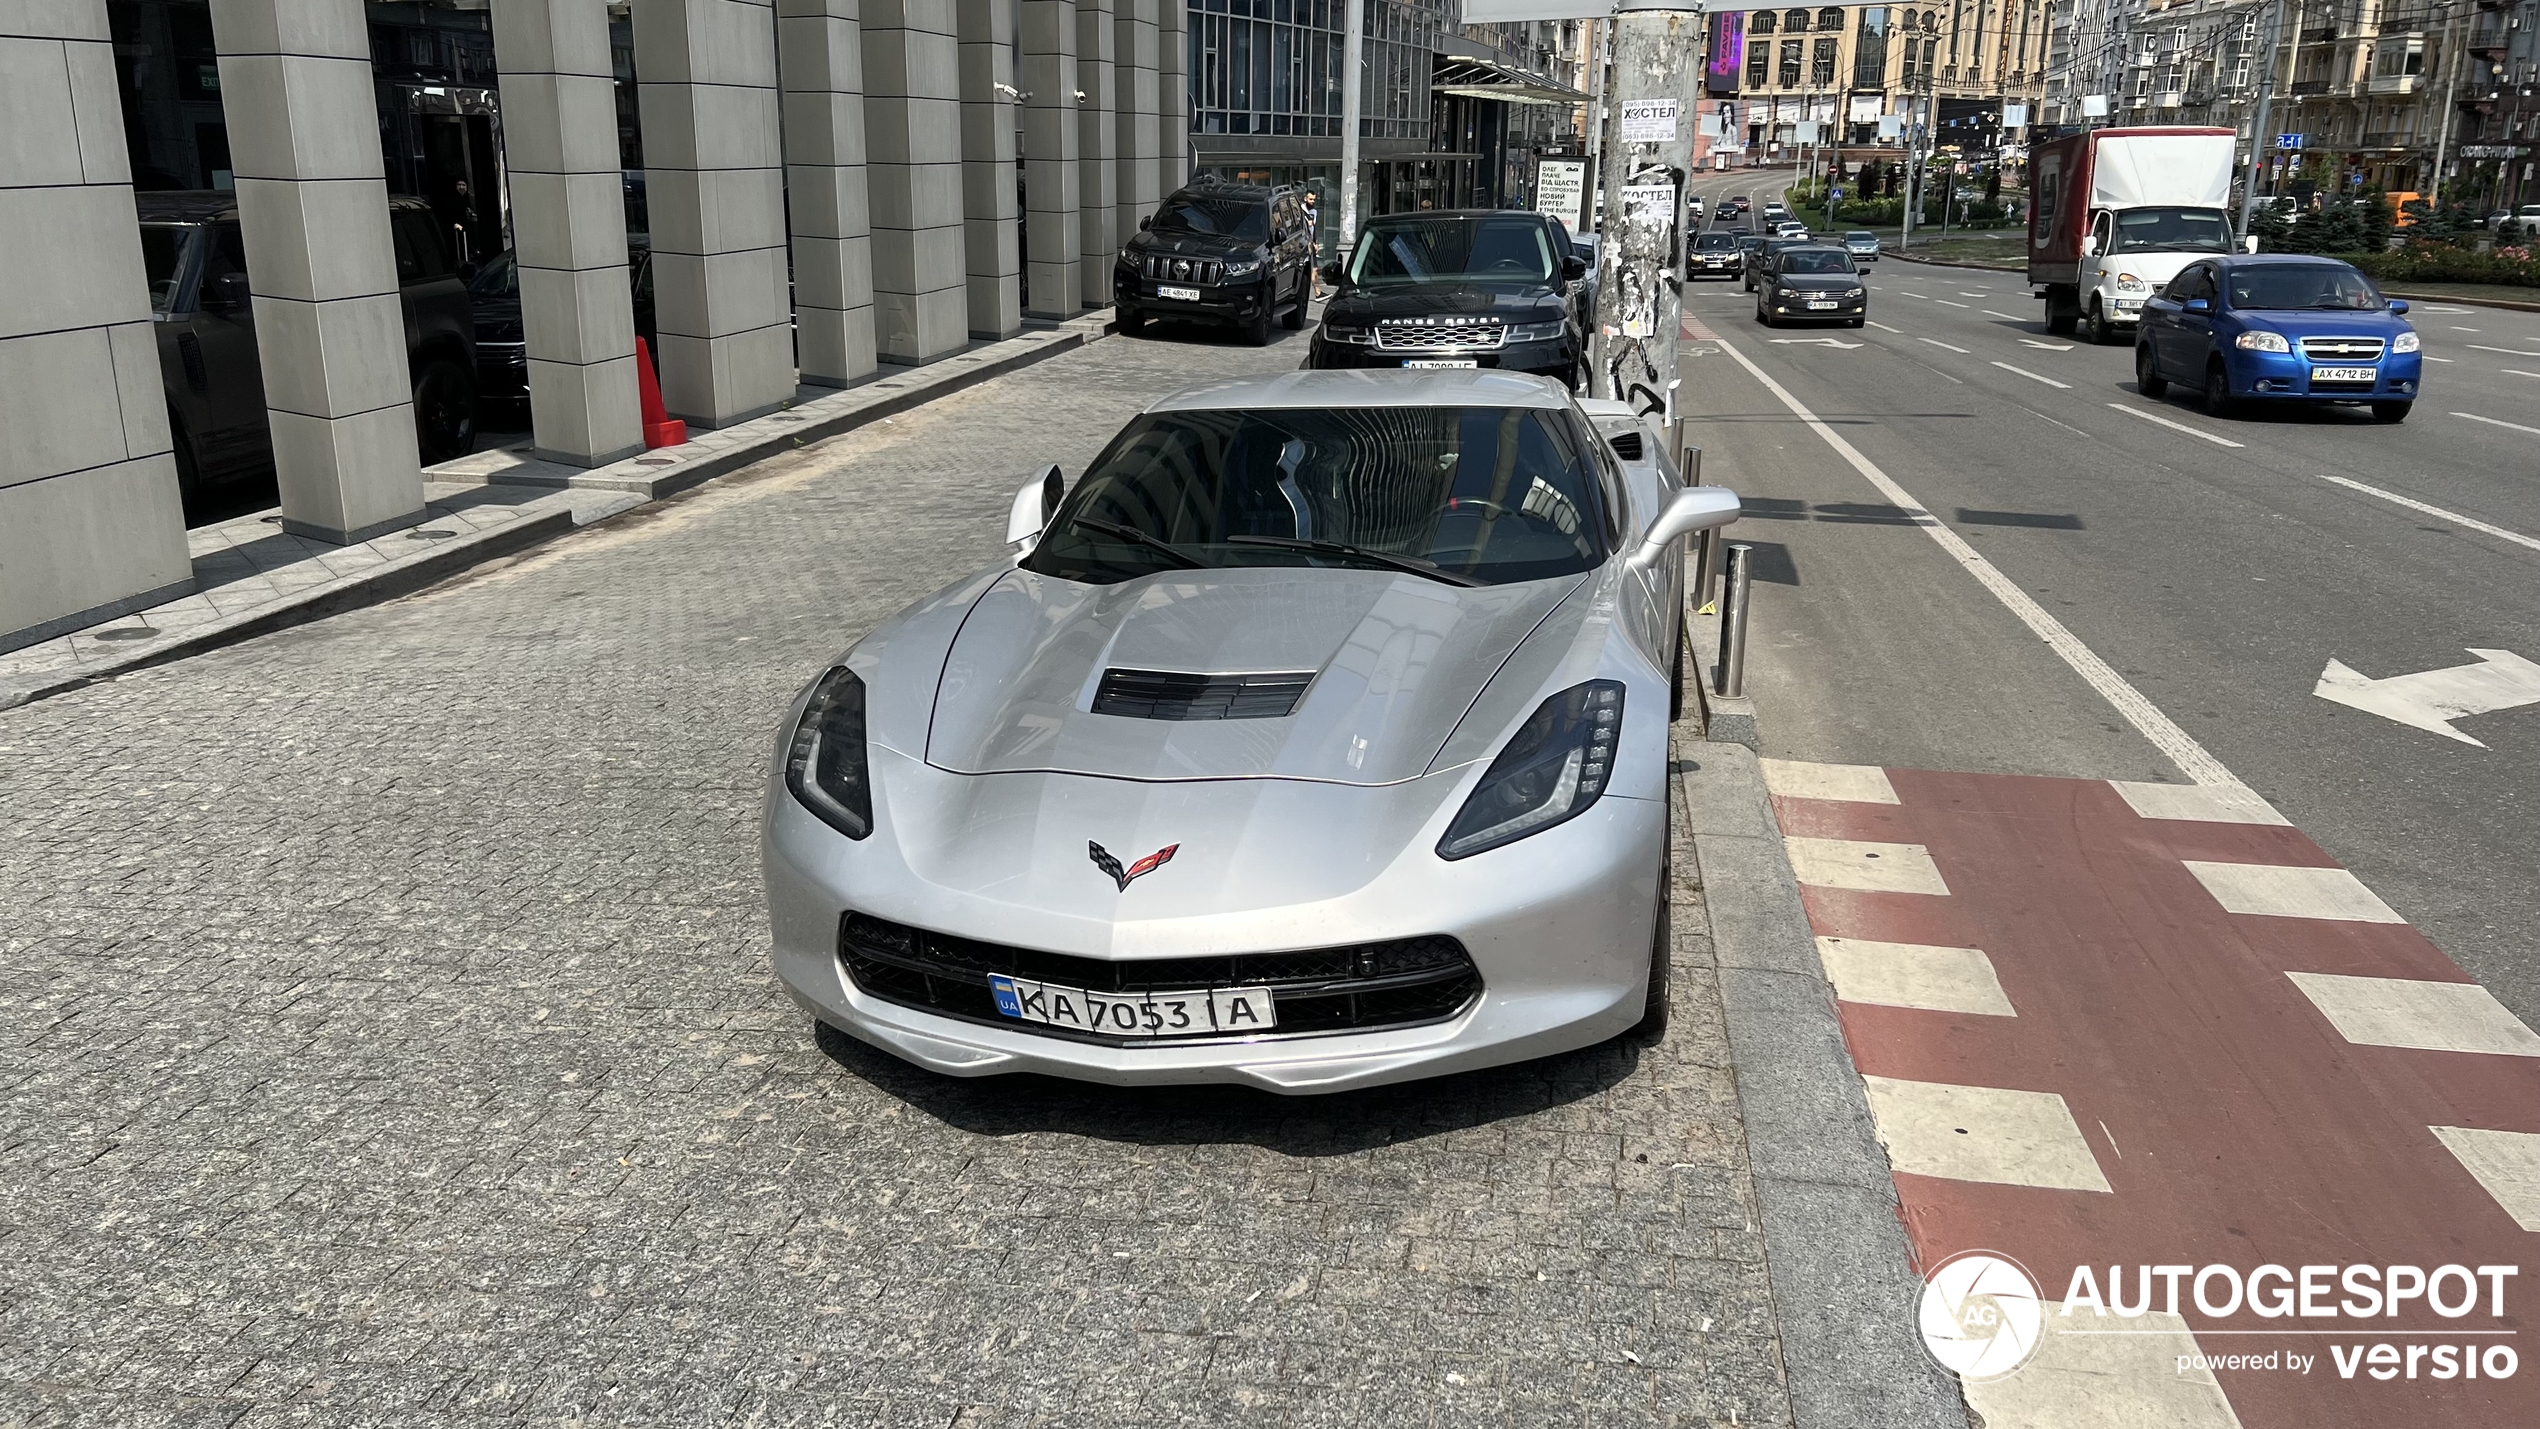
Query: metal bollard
x,y
1706,564
1732,680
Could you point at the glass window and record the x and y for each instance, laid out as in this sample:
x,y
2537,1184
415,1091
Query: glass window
x,y
1830,19
1497,494
1790,63
1794,22
1800,260
1216,217
1821,63
1764,23
2171,230
163,247
1416,250
2307,285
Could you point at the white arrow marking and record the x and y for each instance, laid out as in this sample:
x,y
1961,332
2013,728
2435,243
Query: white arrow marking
x,y
1819,341
2049,346
2431,699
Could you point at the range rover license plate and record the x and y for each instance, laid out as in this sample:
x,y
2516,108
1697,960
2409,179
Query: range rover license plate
x,y
1440,362
1180,295
1200,1012
2342,374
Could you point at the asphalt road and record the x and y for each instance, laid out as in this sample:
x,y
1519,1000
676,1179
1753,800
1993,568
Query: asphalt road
x,y
2218,566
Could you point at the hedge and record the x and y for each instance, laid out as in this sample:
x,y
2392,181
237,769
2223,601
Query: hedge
x,y
2447,263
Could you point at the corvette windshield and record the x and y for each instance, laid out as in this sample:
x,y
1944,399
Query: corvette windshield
x,y
1488,495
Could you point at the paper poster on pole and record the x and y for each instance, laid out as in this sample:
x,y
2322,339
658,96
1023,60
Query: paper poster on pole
x,y
1560,184
1649,121
1649,218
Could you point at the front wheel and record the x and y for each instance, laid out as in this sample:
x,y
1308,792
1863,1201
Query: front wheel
x,y
2102,332
1654,1009
1258,331
2392,412
445,411
1131,319
2218,399
2147,373
1295,319
2062,324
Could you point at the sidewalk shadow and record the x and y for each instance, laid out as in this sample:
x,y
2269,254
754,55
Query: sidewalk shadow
x,y
1340,1124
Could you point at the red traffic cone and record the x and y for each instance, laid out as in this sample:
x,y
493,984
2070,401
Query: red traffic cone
x,y
660,429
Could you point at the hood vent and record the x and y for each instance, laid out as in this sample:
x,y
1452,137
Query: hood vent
x,y
1627,445
1161,694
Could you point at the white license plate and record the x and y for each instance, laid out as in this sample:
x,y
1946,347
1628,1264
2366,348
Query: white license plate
x,y
1201,1012
1186,295
1813,307
1440,362
2343,374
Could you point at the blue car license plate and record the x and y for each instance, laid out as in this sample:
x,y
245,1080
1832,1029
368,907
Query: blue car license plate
x,y
2342,374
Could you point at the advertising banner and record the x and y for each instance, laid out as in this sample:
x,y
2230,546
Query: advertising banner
x,y
1560,188
1649,121
1728,54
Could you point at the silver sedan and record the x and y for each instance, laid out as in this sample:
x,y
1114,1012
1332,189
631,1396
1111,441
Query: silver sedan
x,y
1315,739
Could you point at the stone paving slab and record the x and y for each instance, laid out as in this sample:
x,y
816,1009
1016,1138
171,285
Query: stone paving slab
x,y
386,1035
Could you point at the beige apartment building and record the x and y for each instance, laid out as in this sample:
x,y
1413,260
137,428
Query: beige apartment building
x,y
1850,67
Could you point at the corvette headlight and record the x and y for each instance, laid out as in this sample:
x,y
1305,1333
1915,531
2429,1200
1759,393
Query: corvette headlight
x,y
1536,332
2128,283
2260,340
825,767
2405,342
1556,765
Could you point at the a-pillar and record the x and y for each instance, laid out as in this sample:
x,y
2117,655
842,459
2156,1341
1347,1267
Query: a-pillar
x,y
313,206
1098,191
912,112
569,228
988,205
714,184
820,61
90,523
1173,95
1134,33
1051,180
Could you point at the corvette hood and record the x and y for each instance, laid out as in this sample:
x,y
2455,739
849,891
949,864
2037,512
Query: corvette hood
x,y
1396,660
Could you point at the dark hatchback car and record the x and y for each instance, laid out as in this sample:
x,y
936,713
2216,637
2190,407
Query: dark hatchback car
x,y
196,260
1759,255
1715,255
502,344
1813,282
1473,288
1226,253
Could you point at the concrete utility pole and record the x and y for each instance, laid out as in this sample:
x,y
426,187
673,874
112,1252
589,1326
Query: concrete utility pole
x,y
1353,85
2258,135
2445,85
1657,61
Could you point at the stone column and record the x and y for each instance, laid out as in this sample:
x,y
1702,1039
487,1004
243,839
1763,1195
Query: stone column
x,y
90,523
313,206
1051,179
820,60
912,111
1172,95
988,204
714,185
1134,123
569,228
1098,194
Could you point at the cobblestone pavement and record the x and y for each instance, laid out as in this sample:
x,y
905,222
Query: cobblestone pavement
x,y
386,1036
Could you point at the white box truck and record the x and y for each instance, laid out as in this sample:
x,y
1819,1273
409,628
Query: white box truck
x,y
2115,213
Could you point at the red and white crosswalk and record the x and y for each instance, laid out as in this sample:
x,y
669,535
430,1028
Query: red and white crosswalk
x,y
2131,1025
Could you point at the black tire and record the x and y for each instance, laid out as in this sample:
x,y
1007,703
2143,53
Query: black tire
x,y
1295,319
1655,1007
1676,678
1131,320
2099,331
445,411
2218,398
2147,374
1259,331
2392,413
2062,324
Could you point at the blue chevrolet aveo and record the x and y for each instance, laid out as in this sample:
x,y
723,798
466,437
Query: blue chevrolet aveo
x,y
2278,327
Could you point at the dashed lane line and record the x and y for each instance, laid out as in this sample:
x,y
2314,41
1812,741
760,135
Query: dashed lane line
x,y
1885,328
2509,426
2160,421
1944,302
2193,759
2508,351
2456,518
1936,342
1988,312
2518,372
2033,377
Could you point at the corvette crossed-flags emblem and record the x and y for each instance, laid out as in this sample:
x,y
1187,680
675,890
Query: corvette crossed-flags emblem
x,y
1124,877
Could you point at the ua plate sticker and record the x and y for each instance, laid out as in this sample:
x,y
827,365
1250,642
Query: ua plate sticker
x,y
1200,1012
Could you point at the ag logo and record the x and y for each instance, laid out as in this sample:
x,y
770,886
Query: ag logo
x,y
1981,1316
1124,877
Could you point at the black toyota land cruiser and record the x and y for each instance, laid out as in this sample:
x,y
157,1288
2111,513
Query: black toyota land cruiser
x,y
1481,288
1229,253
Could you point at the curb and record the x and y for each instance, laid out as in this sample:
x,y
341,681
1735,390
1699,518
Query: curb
x,y
2507,304
1904,257
1726,719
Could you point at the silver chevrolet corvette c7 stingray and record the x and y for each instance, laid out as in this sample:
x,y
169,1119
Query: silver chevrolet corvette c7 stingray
x,y
1315,739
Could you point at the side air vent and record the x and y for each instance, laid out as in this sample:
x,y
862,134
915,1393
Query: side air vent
x,y
1160,694
1627,445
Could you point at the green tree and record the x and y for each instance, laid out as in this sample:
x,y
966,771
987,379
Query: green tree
x,y
2377,221
2272,229
2341,229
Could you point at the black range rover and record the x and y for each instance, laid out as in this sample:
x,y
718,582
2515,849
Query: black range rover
x,y
1229,253
1487,288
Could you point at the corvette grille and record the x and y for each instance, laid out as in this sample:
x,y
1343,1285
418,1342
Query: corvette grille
x,y
1362,987
1163,694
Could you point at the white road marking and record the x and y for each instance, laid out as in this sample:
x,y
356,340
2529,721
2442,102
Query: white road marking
x,y
2158,420
1865,867
1936,342
1965,294
1988,312
1925,297
2193,759
2506,1163
2033,377
2102,1379
1885,328
2518,372
2430,357
1932,979
1944,302
2443,308
2198,803
1848,783
2456,327
2508,351
1995,1134
2511,426
2431,699
2409,1012
2048,346
1812,342
2271,890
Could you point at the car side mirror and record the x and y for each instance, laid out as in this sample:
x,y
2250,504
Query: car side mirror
x,y
2398,305
2197,305
1573,269
1696,508
1332,273
1034,505
228,293
1145,222
2090,246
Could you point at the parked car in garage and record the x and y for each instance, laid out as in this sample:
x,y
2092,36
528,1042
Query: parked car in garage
x,y
195,258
